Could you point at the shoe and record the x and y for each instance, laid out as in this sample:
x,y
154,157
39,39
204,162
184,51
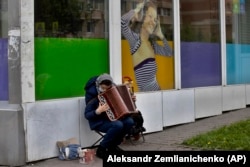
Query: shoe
x,y
127,137
143,129
100,152
115,149
118,148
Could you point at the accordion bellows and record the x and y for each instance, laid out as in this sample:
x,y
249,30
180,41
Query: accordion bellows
x,y
119,101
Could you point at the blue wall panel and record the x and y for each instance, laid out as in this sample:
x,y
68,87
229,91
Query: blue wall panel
x,y
4,69
200,64
238,63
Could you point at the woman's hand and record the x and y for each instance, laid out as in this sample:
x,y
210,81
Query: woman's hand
x,y
133,98
158,31
102,108
137,10
139,7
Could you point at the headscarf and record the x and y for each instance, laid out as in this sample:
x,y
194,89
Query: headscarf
x,y
101,78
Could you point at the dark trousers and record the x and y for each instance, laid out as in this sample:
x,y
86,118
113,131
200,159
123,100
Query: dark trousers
x,y
115,131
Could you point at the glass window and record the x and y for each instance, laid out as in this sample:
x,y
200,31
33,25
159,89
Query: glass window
x,y
200,43
238,41
4,50
147,40
71,45
71,18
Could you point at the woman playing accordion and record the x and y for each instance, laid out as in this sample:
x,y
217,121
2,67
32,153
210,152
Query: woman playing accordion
x,y
95,113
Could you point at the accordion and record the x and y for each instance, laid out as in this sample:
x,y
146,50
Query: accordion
x,y
119,101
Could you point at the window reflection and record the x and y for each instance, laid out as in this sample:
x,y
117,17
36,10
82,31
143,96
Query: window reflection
x,y
71,18
200,20
237,21
4,18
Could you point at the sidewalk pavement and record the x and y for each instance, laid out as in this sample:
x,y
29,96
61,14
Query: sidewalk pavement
x,y
168,139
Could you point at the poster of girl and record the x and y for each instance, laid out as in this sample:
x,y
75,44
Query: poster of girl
x,y
141,28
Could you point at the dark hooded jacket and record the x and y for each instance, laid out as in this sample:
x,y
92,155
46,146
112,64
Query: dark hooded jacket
x,y
92,103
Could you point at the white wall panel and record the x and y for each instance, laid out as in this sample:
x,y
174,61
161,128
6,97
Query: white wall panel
x,y
234,97
48,122
208,102
247,94
150,104
178,107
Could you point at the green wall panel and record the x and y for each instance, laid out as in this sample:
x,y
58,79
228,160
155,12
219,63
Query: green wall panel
x,y
63,65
